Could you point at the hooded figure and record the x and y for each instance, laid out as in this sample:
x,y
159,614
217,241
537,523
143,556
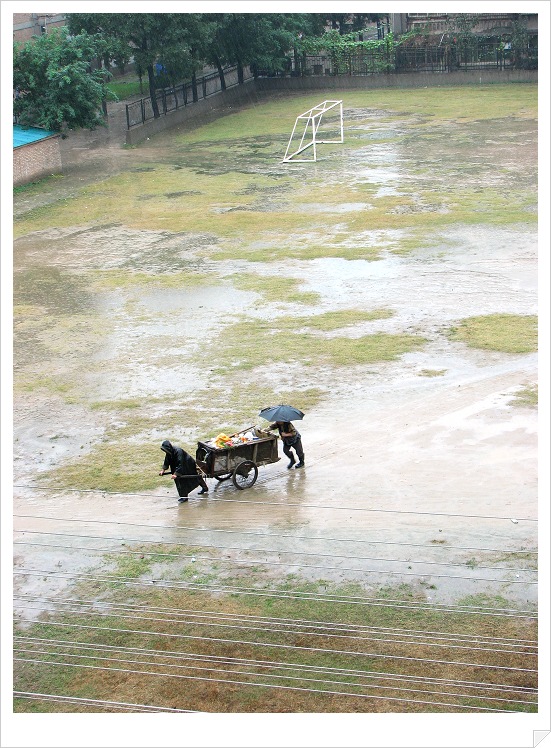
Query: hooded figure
x,y
183,469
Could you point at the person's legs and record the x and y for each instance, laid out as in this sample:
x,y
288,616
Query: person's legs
x,y
182,493
287,451
300,453
202,483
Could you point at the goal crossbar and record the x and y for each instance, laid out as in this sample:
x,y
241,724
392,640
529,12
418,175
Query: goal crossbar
x,y
312,119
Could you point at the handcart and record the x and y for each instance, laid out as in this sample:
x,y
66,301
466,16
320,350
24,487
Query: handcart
x,y
239,461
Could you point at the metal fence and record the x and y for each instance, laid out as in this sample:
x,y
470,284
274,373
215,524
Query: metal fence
x,y
434,59
170,99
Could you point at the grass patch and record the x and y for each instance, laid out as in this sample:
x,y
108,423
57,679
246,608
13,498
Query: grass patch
x,y
137,560
507,333
126,89
526,397
108,467
247,344
432,372
34,188
108,280
272,253
328,321
127,404
275,288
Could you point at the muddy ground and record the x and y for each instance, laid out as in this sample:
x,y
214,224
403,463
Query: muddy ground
x,y
420,470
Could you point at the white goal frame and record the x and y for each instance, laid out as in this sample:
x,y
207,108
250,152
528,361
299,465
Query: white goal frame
x,y
312,119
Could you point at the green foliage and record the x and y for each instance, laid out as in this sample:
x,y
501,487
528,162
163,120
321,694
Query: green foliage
x,y
56,84
261,40
343,47
177,41
520,41
461,27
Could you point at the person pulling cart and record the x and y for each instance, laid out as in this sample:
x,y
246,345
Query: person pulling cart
x,y
184,471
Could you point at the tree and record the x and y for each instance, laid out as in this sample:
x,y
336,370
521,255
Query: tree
x,y
55,83
151,38
520,41
260,40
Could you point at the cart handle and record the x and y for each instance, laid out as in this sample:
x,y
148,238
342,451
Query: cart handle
x,y
243,431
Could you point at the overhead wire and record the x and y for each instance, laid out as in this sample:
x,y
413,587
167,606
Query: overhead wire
x,y
213,624
286,677
464,609
251,550
120,705
280,621
276,645
338,507
432,575
275,664
265,685
270,535
288,594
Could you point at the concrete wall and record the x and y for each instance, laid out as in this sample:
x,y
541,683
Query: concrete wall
x,y
396,80
217,104
36,160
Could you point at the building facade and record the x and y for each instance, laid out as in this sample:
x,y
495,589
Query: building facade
x,y
484,24
27,25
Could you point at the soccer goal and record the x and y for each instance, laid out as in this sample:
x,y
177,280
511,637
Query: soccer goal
x,y
321,124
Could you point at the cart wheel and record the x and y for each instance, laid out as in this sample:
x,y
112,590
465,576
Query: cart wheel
x,y
245,474
222,477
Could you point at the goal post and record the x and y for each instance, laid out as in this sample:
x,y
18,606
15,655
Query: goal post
x,y
321,124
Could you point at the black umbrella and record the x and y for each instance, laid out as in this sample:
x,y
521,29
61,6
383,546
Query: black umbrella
x,y
282,413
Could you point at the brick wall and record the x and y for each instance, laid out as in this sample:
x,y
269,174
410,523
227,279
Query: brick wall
x,y
26,25
36,160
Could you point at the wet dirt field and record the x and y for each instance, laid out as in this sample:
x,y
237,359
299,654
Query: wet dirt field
x,y
421,470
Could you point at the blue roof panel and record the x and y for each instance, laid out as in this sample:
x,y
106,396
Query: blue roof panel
x,y
29,135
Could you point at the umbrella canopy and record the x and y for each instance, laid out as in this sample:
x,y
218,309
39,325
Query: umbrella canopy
x,y
282,413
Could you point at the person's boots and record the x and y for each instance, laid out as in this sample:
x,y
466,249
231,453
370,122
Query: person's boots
x,y
291,463
300,463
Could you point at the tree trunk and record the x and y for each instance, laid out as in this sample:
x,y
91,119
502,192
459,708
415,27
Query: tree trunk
x,y
297,60
220,72
195,95
151,77
240,74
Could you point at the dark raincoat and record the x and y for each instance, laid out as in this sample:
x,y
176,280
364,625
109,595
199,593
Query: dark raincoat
x,y
182,465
